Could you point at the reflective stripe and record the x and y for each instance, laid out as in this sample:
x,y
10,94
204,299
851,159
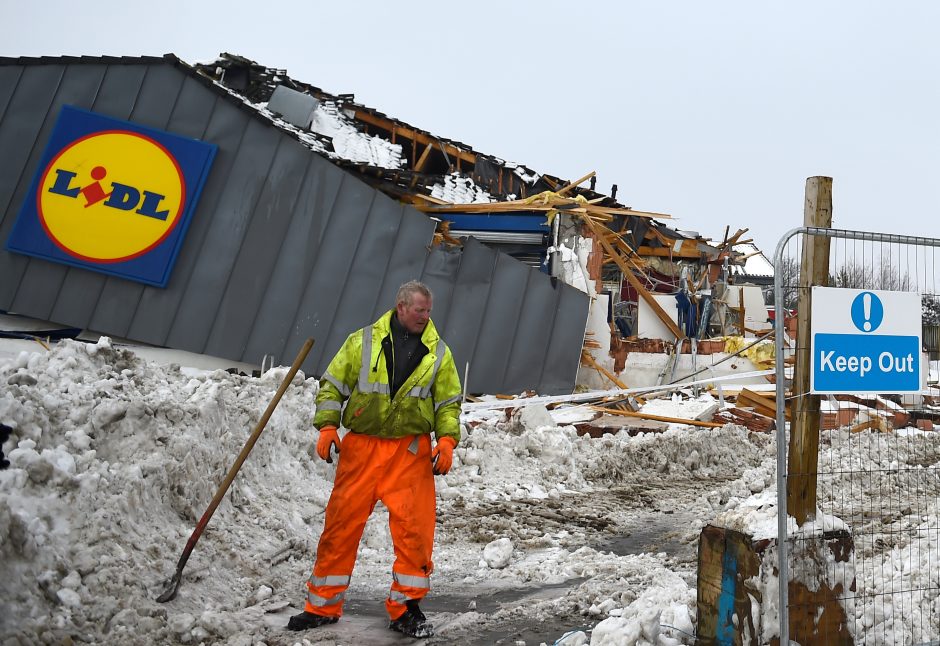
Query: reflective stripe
x,y
445,402
411,580
413,447
365,359
375,387
440,350
330,405
414,392
339,385
400,597
365,386
318,601
332,579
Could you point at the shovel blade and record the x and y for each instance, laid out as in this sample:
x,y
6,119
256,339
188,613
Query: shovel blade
x,y
172,587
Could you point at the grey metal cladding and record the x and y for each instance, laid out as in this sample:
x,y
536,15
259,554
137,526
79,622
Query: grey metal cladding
x,y
313,315
533,330
22,147
283,317
250,276
505,318
465,316
564,355
42,283
500,319
440,275
283,244
338,254
370,262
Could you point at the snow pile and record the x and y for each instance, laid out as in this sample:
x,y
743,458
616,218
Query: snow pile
x,y
114,462
351,144
458,189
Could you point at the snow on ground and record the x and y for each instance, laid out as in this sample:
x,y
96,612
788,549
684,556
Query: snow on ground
x,y
543,534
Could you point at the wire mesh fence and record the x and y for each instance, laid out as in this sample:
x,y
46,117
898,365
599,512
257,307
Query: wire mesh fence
x,y
864,565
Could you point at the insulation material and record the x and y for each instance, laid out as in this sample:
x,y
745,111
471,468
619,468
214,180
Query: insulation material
x,y
761,354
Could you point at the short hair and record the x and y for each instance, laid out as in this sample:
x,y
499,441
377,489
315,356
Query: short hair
x,y
409,289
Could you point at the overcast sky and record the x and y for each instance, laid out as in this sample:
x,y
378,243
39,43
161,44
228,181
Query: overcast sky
x,y
714,112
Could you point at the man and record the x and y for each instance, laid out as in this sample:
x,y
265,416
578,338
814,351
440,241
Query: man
x,y
399,384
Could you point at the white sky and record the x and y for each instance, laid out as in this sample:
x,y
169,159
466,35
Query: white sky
x,y
713,112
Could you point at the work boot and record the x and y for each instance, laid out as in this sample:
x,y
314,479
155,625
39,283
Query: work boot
x,y
307,620
413,622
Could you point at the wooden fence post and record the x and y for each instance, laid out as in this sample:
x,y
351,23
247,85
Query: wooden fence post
x,y
803,458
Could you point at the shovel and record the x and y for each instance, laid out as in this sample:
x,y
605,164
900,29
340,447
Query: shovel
x,y
174,584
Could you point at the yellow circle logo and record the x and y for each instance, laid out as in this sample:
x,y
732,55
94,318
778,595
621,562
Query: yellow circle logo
x,y
111,196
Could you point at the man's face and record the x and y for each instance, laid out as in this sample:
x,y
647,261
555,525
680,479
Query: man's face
x,y
414,315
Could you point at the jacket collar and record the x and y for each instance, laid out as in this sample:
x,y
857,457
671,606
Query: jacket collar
x,y
429,337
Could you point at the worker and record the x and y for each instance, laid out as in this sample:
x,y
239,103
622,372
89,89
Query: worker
x,y
399,384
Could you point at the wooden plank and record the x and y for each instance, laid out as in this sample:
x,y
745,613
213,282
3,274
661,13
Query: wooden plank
x,y
588,359
567,187
419,165
669,252
658,418
803,458
765,404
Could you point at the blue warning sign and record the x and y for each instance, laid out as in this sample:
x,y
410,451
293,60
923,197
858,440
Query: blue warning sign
x,y
865,341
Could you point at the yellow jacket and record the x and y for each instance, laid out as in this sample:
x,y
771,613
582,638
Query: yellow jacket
x,y
428,401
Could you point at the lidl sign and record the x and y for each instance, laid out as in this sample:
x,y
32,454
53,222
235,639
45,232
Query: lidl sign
x,y
112,196
865,341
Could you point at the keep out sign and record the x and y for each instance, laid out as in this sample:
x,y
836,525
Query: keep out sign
x,y
865,341
112,196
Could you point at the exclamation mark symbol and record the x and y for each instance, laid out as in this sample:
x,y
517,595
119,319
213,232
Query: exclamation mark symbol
x,y
866,308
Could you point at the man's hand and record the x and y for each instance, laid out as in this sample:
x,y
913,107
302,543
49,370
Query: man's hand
x,y
442,457
329,439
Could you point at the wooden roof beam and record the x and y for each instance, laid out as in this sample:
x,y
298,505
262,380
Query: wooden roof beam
x,y
634,281
416,136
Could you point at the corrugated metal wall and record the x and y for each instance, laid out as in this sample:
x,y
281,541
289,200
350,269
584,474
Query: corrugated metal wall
x,y
283,244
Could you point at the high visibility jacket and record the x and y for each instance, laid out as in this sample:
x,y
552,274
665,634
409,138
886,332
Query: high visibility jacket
x,y
428,401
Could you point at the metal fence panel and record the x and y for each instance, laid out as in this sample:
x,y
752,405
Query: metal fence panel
x,y
876,471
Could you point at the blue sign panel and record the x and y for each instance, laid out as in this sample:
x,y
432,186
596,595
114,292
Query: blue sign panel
x,y
112,196
854,362
865,341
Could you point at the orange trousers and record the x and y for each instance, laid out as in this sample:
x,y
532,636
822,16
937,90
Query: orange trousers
x,y
399,473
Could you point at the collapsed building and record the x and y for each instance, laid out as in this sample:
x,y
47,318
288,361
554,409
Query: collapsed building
x,y
313,208
651,285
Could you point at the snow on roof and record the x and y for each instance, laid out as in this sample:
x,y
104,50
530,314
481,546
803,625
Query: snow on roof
x,y
351,144
756,264
459,190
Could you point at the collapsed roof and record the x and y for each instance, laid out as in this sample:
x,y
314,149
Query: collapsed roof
x,y
426,170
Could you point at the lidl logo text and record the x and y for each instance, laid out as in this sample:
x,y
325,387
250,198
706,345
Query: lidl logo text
x,y
121,197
